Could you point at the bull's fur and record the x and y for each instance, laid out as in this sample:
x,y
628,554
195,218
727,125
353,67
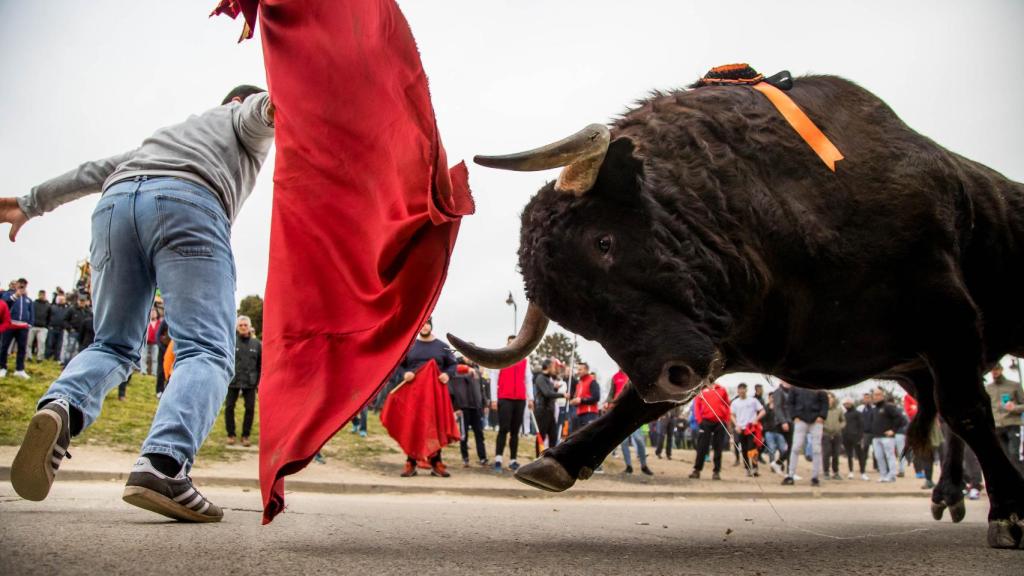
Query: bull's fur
x,y
730,237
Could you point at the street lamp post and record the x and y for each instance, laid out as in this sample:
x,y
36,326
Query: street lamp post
x,y
515,313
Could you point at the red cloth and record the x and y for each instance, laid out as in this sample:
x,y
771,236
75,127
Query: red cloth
x,y
5,316
910,406
619,381
712,402
364,219
419,415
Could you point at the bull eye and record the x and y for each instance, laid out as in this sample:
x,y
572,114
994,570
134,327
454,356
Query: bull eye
x,y
604,244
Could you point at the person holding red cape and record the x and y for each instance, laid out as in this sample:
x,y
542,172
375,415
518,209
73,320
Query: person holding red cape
x,y
418,413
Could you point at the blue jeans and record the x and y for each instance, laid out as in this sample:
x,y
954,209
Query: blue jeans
x,y
18,336
885,455
638,440
775,442
173,234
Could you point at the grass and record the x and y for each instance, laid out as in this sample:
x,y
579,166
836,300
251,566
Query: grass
x,y
124,425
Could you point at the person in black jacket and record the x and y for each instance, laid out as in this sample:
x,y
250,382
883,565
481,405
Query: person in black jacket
x,y
86,332
853,438
248,362
545,395
40,327
777,428
884,424
58,318
468,401
808,408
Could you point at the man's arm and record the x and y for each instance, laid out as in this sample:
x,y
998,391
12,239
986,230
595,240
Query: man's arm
x,y
86,179
595,393
254,124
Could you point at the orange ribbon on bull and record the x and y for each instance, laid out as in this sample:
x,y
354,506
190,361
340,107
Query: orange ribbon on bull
x,y
803,125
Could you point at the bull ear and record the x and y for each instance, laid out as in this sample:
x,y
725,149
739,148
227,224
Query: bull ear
x,y
621,170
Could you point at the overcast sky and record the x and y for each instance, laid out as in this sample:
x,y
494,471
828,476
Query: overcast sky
x,y
85,79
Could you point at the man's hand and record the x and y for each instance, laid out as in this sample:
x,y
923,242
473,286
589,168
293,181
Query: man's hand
x,y
443,378
494,405
574,402
739,430
409,376
530,404
1009,406
11,213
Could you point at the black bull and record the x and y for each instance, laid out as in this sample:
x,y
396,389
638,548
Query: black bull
x,y
710,239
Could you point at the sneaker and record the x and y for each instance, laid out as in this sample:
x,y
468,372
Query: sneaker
x,y
756,473
776,468
319,458
44,448
483,461
230,441
409,470
928,485
716,476
900,475
497,467
439,469
362,433
629,470
465,463
815,482
787,481
176,497
865,477
836,476
849,476
3,372
919,475
647,471
973,494
513,466
22,374
245,441
695,475
797,477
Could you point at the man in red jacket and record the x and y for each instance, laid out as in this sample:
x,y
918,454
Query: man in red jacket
x,y
512,389
712,411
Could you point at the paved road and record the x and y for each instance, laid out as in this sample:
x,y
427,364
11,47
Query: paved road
x,y
84,528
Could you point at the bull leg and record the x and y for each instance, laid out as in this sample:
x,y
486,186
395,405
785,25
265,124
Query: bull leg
x,y
583,451
956,363
949,490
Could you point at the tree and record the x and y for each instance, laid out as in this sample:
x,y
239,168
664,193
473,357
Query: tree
x,y
556,345
252,306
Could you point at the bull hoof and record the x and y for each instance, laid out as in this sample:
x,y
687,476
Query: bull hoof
x,y
586,472
957,511
937,510
1005,533
545,473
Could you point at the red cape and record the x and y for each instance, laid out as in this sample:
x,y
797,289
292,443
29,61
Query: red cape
x,y
364,220
419,415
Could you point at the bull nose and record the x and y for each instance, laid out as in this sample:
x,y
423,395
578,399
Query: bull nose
x,y
672,385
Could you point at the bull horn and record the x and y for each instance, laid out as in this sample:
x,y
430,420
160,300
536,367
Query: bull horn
x,y
581,154
530,334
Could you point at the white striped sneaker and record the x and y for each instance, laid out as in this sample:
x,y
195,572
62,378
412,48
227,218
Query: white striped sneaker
x,y
44,448
176,497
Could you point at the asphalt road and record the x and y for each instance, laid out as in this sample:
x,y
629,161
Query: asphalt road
x,y
84,528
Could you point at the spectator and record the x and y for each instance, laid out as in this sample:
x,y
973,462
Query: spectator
x,y
5,317
73,329
808,409
86,330
40,324
151,348
426,348
1007,409
619,383
22,313
59,311
547,392
884,423
667,431
853,438
511,387
832,437
746,420
901,442
248,363
468,401
867,412
712,411
777,428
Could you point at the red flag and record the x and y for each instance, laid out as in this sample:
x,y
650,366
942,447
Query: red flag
x,y
419,415
364,220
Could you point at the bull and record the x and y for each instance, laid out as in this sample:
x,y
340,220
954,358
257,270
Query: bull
x,y
700,235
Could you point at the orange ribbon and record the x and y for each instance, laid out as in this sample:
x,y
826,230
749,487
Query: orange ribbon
x,y
803,125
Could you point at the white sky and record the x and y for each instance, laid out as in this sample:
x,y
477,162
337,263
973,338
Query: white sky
x,y
81,80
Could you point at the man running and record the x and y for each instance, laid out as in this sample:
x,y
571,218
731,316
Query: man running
x,y
164,221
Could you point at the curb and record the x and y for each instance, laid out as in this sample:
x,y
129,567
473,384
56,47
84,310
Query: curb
x,y
578,493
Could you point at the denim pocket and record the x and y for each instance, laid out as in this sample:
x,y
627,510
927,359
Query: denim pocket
x,y
99,249
190,228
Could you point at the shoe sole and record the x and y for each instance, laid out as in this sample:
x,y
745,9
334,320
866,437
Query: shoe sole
x,y
31,471
154,501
